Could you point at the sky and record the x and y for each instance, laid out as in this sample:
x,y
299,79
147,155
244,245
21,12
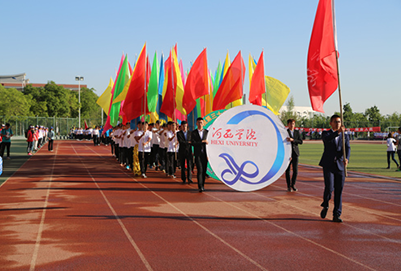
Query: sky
x,y
58,40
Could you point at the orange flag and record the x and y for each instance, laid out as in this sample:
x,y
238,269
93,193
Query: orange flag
x,y
258,86
197,84
135,103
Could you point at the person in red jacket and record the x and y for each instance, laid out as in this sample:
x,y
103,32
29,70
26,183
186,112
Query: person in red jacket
x,y
30,134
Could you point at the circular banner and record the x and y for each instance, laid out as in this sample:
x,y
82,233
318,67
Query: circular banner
x,y
248,148
209,119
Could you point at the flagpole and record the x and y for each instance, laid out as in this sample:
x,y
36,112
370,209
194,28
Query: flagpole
x,y
339,85
174,114
144,105
263,59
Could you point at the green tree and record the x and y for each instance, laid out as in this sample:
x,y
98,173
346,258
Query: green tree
x,y
289,113
39,104
14,103
373,115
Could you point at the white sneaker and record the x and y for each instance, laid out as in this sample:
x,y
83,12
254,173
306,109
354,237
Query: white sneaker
x,y
144,176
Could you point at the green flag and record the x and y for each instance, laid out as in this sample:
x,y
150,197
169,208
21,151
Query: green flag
x,y
122,79
217,78
153,88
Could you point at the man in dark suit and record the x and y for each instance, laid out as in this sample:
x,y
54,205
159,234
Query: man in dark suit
x,y
295,138
198,140
334,165
185,152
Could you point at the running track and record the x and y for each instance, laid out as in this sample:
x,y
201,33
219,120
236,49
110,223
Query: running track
x,y
77,209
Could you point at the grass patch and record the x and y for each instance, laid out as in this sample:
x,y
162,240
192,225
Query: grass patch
x,y
366,158
18,158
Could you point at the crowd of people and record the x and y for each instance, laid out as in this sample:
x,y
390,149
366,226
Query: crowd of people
x,y
37,136
162,147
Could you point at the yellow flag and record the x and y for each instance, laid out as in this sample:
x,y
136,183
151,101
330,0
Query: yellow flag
x,y
104,99
179,91
277,93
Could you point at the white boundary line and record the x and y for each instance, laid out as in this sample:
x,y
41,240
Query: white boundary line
x,y
42,220
131,240
194,221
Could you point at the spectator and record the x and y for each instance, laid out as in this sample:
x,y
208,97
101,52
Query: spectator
x,y
50,137
391,150
6,134
30,135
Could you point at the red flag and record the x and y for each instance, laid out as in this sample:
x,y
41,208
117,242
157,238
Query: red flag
x,y
231,89
168,105
86,125
197,84
258,86
322,66
135,103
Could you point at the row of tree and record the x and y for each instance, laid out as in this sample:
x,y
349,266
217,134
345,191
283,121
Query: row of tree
x,y
370,118
51,100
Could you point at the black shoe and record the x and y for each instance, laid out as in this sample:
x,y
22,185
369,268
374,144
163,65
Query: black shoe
x,y
289,189
294,188
183,181
323,213
337,219
190,181
387,167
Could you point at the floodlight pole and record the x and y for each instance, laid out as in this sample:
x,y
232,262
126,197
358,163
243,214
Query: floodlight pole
x,y
79,79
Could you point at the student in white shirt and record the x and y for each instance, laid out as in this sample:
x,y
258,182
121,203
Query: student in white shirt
x,y
391,149
144,138
162,148
155,146
171,149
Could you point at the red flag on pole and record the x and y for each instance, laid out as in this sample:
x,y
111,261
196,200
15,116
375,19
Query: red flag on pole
x,y
258,86
231,89
197,82
86,125
321,63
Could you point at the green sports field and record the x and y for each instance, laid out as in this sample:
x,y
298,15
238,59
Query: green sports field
x,y
18,158
368,158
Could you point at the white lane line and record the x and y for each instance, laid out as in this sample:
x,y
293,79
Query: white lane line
x,y
314,214
131,240
194,221
293,233
42,220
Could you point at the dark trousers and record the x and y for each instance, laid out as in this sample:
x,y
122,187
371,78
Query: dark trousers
x,y
143,161
399,155
123,151
188,171
40,142
162,158
171,164
5,145
294,163
50,145
391,153
333,180
30,147
201,167
112,147
95,140
117,151
130,157
155,155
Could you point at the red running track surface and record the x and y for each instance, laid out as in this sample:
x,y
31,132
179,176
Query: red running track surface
x,y
77,209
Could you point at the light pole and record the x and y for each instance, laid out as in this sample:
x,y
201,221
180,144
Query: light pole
x,y
79,79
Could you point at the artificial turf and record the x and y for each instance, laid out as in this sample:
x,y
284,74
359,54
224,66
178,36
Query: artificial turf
x,y
366,158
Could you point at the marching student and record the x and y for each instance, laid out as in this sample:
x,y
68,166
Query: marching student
x,y
96,138
171,149
198,140
144,138
163,147
156,145
185,152
51,137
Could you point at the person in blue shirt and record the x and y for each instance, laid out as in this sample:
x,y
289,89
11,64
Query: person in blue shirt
x,y
6,134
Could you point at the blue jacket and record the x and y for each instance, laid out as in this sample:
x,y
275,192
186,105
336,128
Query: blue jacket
x,y
333,153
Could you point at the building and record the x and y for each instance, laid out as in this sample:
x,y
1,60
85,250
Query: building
x,y
18,81
301,111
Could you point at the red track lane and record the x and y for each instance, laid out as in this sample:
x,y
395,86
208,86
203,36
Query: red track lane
x,y
76,208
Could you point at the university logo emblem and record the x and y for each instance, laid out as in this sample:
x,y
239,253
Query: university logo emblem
x,y
247,147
